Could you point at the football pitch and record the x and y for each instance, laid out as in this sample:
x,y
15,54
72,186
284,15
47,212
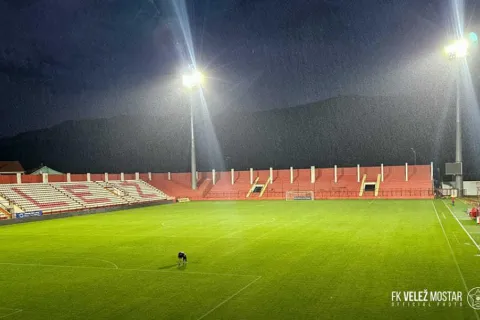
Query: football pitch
x,y
246,260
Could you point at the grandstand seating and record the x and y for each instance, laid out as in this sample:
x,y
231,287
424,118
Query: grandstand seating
x,y
39,197
75,196
135,191
324,185
60,196
4,209
419,184
178,186
4,213
90,194
223,188
4,204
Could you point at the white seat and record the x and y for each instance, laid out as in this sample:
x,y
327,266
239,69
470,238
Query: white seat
x,y
62,196
137,191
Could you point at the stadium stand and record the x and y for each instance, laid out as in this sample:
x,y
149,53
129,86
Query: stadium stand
x,y
91,194
177,186
4,212
350,183
135,191
75,196
38,197
223,188
419,185
87,191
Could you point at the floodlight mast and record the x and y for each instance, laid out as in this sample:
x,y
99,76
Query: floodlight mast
x,y
457,51
191,81
458,138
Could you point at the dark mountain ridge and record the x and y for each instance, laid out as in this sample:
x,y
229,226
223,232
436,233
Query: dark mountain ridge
x,y
345,131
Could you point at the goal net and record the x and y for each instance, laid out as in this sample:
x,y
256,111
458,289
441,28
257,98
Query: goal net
x,y
299,195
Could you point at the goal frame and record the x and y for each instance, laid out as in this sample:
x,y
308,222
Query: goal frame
x,y
291,195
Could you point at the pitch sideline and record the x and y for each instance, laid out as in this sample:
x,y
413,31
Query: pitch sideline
x,y
461,225
453,254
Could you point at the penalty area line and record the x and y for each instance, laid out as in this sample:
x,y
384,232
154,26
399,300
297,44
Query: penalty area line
x,y
230,298
109,262
229,236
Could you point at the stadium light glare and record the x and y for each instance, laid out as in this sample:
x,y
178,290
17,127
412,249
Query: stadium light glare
x,y
194,79
457,49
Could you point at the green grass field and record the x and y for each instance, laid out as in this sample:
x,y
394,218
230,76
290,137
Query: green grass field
x,y
247,260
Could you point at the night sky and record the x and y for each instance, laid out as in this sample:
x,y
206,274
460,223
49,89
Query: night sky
x,y
76,59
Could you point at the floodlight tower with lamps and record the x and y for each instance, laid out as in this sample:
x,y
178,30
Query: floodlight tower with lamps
x,y
458,51
191,81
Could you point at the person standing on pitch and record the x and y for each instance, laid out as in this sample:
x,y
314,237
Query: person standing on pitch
x,y
182,258
453,201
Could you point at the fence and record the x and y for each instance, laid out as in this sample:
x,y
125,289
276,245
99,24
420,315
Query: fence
x,y
326,194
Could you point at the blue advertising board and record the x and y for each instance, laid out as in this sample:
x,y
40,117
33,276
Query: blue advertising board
x,y
28,214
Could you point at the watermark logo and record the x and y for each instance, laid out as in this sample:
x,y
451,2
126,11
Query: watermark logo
x,y
426,298
473,298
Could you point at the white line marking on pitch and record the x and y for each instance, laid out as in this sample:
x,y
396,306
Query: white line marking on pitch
x,y
127,269
461,225
452,253
229,298
254,240
11,313
267,233
228,236
113,264
456,237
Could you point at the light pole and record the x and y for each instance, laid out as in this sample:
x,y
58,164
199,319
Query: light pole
x,y
414,156
191,81
458,138
458,51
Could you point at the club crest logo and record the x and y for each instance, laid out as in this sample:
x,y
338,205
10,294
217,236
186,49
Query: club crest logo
x,y
473,298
